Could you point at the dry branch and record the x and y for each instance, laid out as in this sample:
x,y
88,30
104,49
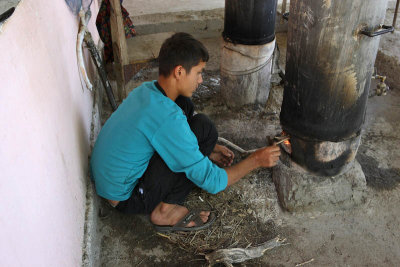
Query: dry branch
x,y
236,255
236,147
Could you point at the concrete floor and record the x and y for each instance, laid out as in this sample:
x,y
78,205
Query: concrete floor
x,y
367,235
145,7
7,4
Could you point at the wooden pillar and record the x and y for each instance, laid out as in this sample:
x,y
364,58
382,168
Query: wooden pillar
x,y
120,49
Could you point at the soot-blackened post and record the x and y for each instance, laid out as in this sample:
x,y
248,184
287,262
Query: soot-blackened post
x,y
329,65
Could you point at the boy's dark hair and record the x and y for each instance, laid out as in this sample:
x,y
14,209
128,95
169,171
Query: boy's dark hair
x,y
180,49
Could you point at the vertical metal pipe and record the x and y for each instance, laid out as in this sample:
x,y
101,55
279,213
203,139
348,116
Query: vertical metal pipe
x,y
395,14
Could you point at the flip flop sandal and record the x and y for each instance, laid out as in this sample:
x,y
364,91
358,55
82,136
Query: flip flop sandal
x,y
182,224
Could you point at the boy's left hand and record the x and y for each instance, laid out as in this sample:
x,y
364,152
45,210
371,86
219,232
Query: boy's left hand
x,y
222,156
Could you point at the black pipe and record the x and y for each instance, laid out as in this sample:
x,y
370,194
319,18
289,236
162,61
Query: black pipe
x,y
101,69
396,10
383,29
249,22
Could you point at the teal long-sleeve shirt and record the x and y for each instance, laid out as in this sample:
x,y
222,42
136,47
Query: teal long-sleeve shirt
x,y
148,122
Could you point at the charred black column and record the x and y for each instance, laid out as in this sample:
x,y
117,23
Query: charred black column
x,y
329,66
246,58
249,22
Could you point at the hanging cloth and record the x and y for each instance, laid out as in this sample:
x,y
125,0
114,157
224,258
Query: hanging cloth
x,y
104,28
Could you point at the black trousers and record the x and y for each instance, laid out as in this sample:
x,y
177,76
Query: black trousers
x,y
159,183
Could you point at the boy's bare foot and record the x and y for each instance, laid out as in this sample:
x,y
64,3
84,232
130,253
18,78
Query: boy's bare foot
x,y
170,214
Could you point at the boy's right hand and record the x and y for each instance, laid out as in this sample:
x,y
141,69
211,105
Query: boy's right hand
x,y
268,156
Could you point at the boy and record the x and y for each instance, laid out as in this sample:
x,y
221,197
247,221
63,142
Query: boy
x,y
153,150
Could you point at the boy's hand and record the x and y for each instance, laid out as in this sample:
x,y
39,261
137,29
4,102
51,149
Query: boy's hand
x,y
222,156
267,156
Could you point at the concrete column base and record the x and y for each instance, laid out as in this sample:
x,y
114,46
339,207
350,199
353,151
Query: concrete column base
x,y
301,191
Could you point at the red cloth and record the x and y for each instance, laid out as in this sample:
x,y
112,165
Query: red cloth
x,y
104,28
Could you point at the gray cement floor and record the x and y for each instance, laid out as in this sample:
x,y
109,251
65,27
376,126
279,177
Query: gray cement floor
x,y
7,4
367,235
146,7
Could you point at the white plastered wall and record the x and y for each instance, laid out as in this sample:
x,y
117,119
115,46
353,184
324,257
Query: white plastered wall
x,y
44,137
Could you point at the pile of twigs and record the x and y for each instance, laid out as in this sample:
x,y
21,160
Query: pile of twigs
x,y
235,225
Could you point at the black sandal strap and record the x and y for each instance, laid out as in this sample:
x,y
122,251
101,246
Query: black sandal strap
x,y
186,220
